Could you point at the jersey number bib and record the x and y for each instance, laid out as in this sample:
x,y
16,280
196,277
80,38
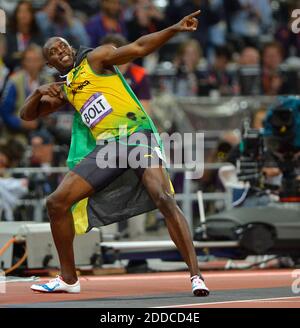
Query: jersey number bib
x,y
95,109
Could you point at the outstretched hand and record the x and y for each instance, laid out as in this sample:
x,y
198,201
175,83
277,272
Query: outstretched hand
x,y
188,23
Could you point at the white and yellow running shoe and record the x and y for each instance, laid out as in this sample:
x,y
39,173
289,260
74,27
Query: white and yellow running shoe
x,y
57,285
198,287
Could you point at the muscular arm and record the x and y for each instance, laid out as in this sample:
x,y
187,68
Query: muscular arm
x,y
43,101
106,56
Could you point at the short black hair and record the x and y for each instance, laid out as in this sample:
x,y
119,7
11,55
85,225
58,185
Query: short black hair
x,y
49,43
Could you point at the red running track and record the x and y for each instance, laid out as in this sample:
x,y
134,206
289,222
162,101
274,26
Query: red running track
x,y
255,288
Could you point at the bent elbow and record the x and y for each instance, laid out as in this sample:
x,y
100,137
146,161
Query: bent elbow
x,y
24,116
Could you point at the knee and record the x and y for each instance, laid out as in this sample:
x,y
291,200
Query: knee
x,y
56,205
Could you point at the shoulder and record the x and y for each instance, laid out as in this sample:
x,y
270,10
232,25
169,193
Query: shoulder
x,y
97,57
99,52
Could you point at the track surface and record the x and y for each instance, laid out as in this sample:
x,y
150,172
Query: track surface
x,y
251,289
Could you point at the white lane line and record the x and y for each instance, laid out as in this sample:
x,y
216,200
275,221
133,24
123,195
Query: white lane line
x,y
273,299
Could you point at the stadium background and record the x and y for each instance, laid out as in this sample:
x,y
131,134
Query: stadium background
x,y
242,57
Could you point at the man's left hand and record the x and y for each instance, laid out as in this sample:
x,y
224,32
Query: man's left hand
x,y
188,23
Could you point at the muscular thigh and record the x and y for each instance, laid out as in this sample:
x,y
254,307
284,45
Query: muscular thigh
x,y
72,189
99,177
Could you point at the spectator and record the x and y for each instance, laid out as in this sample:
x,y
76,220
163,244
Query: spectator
x,y
135,75
186,63
219,77
11,189
4,159
249,57
57,19
86,8
272,58
18,87
249,72
109,20
4,71
23,30
216,32
208,18
248,19
41,142
147,19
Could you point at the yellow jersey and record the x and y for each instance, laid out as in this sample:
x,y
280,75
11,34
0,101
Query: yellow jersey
x,y
106,103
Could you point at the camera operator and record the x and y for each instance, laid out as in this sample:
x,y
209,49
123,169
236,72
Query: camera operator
x,y
256,165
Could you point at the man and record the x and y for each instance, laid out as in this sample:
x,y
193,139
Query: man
x,y
137,78
249,56
108,20
19,86
273,81
99,93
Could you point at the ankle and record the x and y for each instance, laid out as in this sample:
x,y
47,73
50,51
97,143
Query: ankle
x,y
196,277
70,280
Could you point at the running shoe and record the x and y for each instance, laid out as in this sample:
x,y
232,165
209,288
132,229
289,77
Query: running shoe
x,y
57,285
198,287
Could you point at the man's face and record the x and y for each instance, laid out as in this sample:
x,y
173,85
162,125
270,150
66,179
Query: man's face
x,y
111,7
33,62
60,55
272,58
24,15
4,161
249,56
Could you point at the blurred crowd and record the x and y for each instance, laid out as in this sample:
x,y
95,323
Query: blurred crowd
x,y
242,47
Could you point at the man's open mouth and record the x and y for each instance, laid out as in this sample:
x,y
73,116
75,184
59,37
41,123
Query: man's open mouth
x,y
65,58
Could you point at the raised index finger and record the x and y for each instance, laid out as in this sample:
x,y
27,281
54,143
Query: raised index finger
x,y
194,14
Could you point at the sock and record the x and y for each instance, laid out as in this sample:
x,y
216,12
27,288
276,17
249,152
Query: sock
x,y
197,276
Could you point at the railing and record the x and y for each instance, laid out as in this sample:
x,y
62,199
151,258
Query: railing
x,y
187,197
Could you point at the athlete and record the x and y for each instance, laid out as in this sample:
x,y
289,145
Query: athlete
x,y
97,196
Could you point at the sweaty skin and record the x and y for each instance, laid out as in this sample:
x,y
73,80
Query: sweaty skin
x,y
49,98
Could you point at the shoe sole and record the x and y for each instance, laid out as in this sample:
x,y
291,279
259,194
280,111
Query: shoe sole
x,y
54,292
201,292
